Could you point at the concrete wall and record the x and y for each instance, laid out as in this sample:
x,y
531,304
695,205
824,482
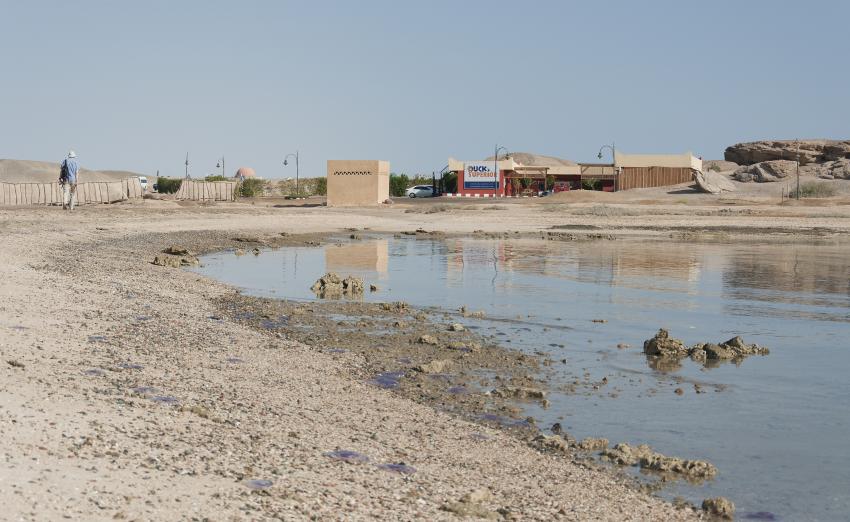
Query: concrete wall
x,y
358,183
686,160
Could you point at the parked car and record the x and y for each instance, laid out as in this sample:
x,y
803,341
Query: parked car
x,y
144,181
420,191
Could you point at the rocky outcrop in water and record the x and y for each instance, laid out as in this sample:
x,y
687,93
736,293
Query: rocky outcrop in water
x,y
519,392
626,455
331,286
719,507
662,346
175,261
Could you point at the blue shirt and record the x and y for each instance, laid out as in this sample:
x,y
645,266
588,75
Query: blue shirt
x,y
73,168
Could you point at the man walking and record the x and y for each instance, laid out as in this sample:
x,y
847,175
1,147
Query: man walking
x,y
68,180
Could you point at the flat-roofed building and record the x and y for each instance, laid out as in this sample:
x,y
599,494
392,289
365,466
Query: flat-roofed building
x,y
358,183
507,177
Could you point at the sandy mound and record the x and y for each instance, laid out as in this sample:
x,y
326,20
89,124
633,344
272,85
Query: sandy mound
x,y
528,158
718,165
578,196
25,171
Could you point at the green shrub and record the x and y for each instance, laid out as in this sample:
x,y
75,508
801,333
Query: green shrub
x,y
590,184
168,185
217,177
398,184
251,187
321,187
818,189
450,183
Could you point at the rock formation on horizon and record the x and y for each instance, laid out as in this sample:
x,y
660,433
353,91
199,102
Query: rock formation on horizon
x,y
764,161
810,151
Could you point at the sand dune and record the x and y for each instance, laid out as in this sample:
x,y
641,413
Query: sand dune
x,y
26,171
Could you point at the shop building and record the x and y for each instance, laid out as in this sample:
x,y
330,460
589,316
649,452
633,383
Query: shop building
x,y
507,178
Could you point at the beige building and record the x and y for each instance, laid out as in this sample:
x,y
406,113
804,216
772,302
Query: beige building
x,y
358,183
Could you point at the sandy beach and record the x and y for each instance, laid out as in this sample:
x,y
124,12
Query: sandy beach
x,y
128,395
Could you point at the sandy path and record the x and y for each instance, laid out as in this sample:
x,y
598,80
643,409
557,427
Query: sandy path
x,y
78,294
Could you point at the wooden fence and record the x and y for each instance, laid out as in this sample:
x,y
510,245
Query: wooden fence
x,y
645,177
87,193
206,190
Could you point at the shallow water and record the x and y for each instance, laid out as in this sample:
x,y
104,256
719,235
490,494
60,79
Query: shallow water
x,y
775,426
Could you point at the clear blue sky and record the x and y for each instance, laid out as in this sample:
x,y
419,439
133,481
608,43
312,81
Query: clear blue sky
x,y
135,85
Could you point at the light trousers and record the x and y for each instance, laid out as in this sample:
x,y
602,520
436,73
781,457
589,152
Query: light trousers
x,y
69,195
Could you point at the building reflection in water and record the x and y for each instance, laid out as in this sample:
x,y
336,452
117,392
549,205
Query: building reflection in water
x,y
653,266
360,256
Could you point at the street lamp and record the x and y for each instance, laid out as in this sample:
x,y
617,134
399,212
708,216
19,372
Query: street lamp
x,y
220,164
285,163
613,152
496,164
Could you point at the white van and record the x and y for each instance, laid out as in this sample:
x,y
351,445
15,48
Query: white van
x,y
144,181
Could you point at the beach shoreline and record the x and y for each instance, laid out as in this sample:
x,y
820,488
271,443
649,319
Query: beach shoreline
x,y
213,403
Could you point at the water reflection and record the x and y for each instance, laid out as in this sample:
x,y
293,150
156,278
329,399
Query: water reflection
x,y
365,256
819,276
787,410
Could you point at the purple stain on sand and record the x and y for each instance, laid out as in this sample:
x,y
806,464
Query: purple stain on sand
x,y
258,483
479,436
273,324
405,360
440,376
401,468
336,350
760,515
144,390
94,372
97,338
235,360
130,366
143,318
348,456
164,399
504,421
457,390
388,380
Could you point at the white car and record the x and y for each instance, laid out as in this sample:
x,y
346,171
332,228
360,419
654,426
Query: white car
x,y
420,191
144,181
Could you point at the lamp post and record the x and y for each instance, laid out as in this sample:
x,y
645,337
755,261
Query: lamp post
x,y
613,153
613,161
496,164
286,162
221,164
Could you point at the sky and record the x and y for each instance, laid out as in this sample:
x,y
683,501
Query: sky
x,y
137,85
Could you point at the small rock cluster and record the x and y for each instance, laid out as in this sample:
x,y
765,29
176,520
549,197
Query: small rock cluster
x,y
719,507
662,345
626,455
331,286
176,257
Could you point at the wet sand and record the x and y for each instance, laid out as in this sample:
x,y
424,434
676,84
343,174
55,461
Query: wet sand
x,y
128,393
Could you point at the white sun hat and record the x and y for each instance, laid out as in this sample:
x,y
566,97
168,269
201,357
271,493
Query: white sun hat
x,y
72,154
